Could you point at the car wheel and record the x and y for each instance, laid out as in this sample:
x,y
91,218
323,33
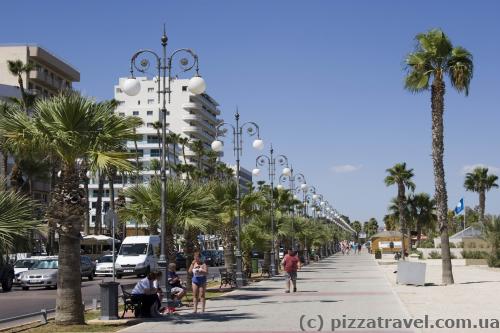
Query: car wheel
x,y
26,288
91,276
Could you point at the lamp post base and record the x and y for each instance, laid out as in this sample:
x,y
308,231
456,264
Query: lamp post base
x,y
240,276
162,265
273,264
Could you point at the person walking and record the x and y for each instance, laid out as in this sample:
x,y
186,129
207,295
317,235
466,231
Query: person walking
x,y
359,248
199,281
291,264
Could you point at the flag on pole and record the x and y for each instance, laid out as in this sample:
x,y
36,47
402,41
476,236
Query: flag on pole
x,y
460,206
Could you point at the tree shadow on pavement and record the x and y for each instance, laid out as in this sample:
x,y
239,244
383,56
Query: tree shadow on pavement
x,y
216,316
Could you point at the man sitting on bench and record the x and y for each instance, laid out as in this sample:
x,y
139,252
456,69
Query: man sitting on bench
x,y
145,292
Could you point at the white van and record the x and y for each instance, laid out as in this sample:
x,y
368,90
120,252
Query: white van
x,y
138,255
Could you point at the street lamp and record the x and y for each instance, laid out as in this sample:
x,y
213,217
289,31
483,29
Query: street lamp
x,y
271,162
217,145
132,87
289,175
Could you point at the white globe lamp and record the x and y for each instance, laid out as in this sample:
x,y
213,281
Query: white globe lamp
x,y
287,172
256,172
217,146
304,187
258,144
280,187
131,86
197,85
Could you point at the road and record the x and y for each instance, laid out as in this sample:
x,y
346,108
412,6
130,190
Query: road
x,y
19,302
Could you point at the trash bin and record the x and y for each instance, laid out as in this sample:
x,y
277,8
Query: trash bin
x,y
109,300
255,265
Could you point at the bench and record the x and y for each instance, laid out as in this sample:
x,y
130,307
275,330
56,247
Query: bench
x,y
265,270
227,278
130,303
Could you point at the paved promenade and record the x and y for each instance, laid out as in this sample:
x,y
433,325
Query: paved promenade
x,y
353,286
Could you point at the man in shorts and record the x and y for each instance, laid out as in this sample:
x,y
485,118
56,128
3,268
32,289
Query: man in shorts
x,y
291,264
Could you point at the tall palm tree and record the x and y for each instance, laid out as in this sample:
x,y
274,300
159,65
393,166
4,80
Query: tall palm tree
x,y
356,225
480,181
5,108
19,68
433,59
73,128
402,178
199,149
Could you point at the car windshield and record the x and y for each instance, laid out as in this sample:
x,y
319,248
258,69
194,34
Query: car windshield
x,y
24,263
133,249
46,264
105,259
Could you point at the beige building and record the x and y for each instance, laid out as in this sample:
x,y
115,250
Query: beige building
x,y
50,75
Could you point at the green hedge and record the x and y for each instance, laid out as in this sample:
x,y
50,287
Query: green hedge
x,y
475,255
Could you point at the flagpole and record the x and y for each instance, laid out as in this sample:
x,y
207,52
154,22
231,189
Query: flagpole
x,y
465,210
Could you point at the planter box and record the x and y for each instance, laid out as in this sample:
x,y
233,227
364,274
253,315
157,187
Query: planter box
x,y
469,262
411,273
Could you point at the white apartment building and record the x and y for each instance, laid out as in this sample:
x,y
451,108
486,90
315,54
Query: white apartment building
x,y
192,116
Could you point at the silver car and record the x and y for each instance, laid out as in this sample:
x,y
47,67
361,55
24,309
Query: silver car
x,y
42,274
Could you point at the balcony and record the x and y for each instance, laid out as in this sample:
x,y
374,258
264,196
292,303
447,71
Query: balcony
x,y
191,106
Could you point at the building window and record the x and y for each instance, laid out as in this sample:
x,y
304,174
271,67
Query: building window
x,y
93,218
150,90
135,113
139,102
94,204
184,88
154,153
140,152
149,113
118,90
121,114
151,101
150,125
152,139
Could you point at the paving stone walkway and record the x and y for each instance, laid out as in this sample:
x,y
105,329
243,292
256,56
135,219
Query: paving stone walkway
x,y
331,291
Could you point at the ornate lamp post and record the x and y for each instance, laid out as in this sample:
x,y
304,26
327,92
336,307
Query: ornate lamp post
x,y
291,177
252,129
132,86
271,160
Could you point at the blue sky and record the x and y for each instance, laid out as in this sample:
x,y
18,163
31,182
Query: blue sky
x,y
323,79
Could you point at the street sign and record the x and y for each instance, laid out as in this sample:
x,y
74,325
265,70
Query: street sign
x,y
109,217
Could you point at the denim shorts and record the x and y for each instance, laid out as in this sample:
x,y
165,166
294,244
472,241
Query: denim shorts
x,y
200,281
291,276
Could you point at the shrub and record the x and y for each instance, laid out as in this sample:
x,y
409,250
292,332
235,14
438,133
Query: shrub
x,y
494,261
427,244
475,255
452,255
452,245
420,254
434,255
460,244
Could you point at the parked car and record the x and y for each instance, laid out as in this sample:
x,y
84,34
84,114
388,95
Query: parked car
x,y
104,266
22,265
42,274
6,274
210,258
87,267
180,260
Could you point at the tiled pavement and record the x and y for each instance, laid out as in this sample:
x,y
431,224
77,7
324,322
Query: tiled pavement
x,y
329,292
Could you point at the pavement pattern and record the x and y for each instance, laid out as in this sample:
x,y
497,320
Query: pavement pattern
x,y
333,290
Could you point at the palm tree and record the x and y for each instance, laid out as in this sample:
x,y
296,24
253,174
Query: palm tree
x,y
18,68
402,177
356,225
15,218
480,181
224,194
4,149
73,128
424,210
433,59
390,222
199,149
492,235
